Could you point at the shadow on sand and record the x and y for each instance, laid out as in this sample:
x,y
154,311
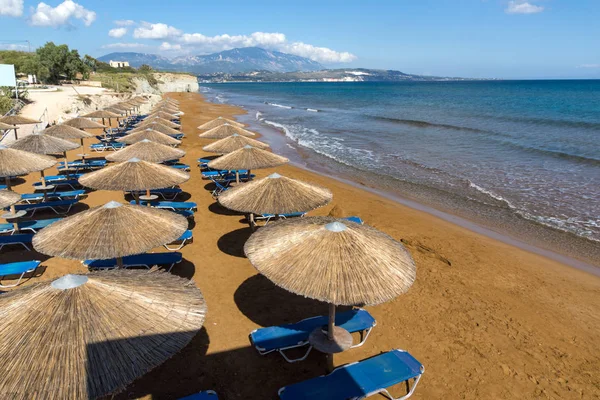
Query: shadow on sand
x,y
232,243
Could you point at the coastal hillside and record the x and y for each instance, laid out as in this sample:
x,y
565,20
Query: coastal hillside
x,y
233,61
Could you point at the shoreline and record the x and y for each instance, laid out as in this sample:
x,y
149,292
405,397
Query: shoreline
x,y
504,225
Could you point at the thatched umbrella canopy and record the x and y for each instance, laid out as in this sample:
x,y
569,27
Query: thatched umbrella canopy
x,y
233,143
249,158
147,151
18,162
40,143
84,123
135,175
166,108
164,115
218,122
15,120
335,261
89,336
117,110
126,105
7,127
8,198
151,135
157,127
65,132
101,114
109,231
159,120
225,130
275,194
18,120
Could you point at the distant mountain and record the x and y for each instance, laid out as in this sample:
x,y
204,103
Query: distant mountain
x,y
230,61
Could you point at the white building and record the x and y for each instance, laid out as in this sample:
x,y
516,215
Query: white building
x,y
118,64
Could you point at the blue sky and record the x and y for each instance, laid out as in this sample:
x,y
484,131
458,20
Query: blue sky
x,y
470,38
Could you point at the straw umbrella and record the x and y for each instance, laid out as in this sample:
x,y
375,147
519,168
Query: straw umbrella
x,y
147,151
334,261
218,122
233,143
163,115
66,132
151,135
39,143
159,120
103,114
134,175
113,230
7,199
15,120
7,127
89,336
15,162
83,123
157,127
275,194
169,108
225,130
249,158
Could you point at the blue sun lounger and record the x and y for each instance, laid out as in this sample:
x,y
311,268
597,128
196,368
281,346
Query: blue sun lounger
x,y
223,174
358,220
72,183
32,197
18,268
206,395
59,207
183,239
360,380
54,178
167,193
219,188
22,238
185,213
32,226
140,260
170,205
183,167
268,217
291,336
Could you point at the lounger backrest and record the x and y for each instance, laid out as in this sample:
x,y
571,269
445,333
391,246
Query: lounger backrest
x,y
19,238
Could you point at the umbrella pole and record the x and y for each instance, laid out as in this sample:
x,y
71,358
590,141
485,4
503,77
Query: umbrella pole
x,y
120,262
44,185
251,222
249,175
330,327
136,196
16,137
7,181
237,176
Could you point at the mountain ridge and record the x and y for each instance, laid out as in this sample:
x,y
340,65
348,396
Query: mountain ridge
x,y
239,60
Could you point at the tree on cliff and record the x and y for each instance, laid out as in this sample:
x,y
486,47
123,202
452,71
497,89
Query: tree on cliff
x,y
61,62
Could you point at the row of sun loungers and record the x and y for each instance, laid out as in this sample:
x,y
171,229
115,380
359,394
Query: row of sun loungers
x,y
59,206
147,260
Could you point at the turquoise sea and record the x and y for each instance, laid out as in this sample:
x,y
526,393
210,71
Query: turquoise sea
x,y
530,149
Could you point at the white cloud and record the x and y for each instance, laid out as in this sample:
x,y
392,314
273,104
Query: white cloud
x,y
46,15
19,47
124,22
522,7
11,8
117,32
156,31
124,46
320,54
166,46
590,66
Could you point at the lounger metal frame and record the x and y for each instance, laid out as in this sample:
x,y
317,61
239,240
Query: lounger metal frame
x,y
20,277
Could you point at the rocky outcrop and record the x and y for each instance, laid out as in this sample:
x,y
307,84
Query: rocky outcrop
x,y
165,82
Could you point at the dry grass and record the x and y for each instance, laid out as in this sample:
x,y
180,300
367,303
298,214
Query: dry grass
x,y
102,114
17,120
111,230
149,134
8,198
134,175
18,162
218,122
94,339
233,143
161,121
248,157
163,115
83,123
43,144
147,151
225,130
357,265
275,194
65,132
157,127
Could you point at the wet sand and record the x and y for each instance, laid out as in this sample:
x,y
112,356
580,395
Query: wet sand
x,y
488,320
